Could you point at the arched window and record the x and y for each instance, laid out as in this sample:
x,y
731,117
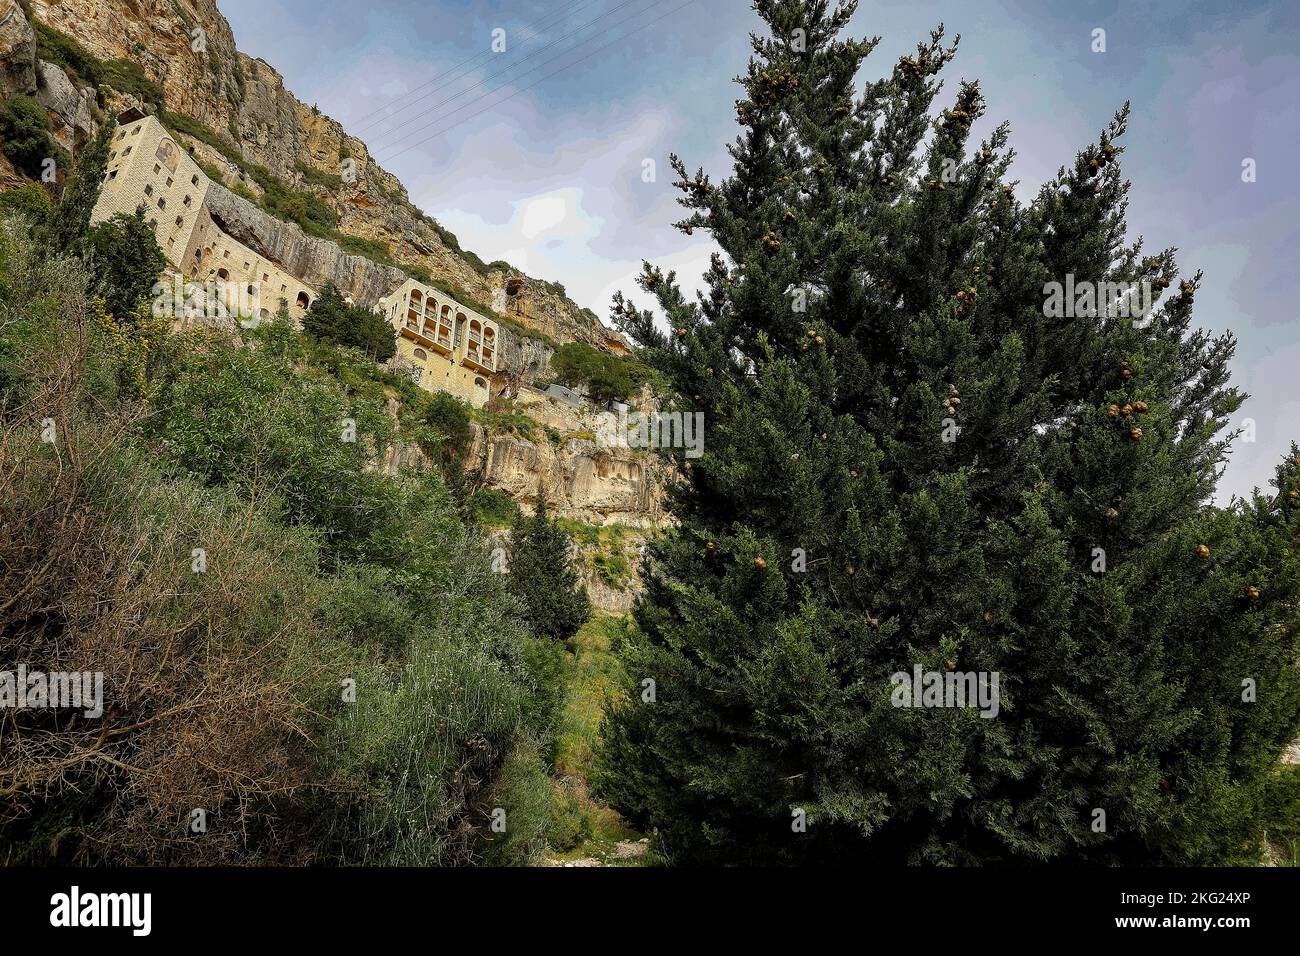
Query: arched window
x,y
304,300
223,274
420,355
480,383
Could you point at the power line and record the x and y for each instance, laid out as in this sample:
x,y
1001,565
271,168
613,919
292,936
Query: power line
x,y
534,26
480,83
542,80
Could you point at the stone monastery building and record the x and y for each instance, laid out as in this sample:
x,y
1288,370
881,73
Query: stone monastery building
x,y
441,344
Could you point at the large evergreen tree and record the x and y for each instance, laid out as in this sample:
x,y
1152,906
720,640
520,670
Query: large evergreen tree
x,y
542,575
912,458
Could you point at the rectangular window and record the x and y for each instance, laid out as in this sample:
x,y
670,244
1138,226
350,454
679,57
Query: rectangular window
x,y
148,189
162,202
156,169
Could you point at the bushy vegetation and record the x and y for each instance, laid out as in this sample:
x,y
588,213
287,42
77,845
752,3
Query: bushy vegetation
x,y
493,508
86,69
317,656
25,135
331,319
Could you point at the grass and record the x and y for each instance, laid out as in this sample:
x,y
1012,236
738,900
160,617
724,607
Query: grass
x,y
595,675
603,548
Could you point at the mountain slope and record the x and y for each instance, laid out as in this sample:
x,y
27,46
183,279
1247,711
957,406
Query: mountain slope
x,y
245,104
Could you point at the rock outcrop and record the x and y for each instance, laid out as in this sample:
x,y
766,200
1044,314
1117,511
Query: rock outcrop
x,y
17,50
578,479
74,109
187,46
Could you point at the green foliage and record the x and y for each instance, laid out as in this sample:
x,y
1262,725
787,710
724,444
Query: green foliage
x,y
179,123
493,508
542,576
840,529
214,174
125,76
25,134
67,228
310,212
605,377
125,260
449,419
369,248
321,572
31,201
499,417
331,319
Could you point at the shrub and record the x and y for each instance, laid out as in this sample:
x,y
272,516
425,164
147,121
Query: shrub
x,y
331,319
25,134
125,260
493,508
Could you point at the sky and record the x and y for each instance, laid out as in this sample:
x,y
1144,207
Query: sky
x,y
540,154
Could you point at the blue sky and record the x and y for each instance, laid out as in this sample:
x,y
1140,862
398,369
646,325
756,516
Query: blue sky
x,y
551,178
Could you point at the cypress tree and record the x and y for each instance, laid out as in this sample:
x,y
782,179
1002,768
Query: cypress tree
x,y
541,574
70,221
917,454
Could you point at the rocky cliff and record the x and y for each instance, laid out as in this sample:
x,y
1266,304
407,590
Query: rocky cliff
x,y
187,47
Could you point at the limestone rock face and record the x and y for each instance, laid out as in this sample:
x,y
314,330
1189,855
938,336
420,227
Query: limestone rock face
x,y
74,108
244,101
578,479
17,50
316,261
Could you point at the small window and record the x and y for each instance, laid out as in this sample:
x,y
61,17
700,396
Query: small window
x,y
479,383
194,180
169,182
136,130
162,202
112,156
121,135
178,222
223,274
265,277
148,190
153,223
225,253
186,200
156,169
420,354
113,174
127,151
